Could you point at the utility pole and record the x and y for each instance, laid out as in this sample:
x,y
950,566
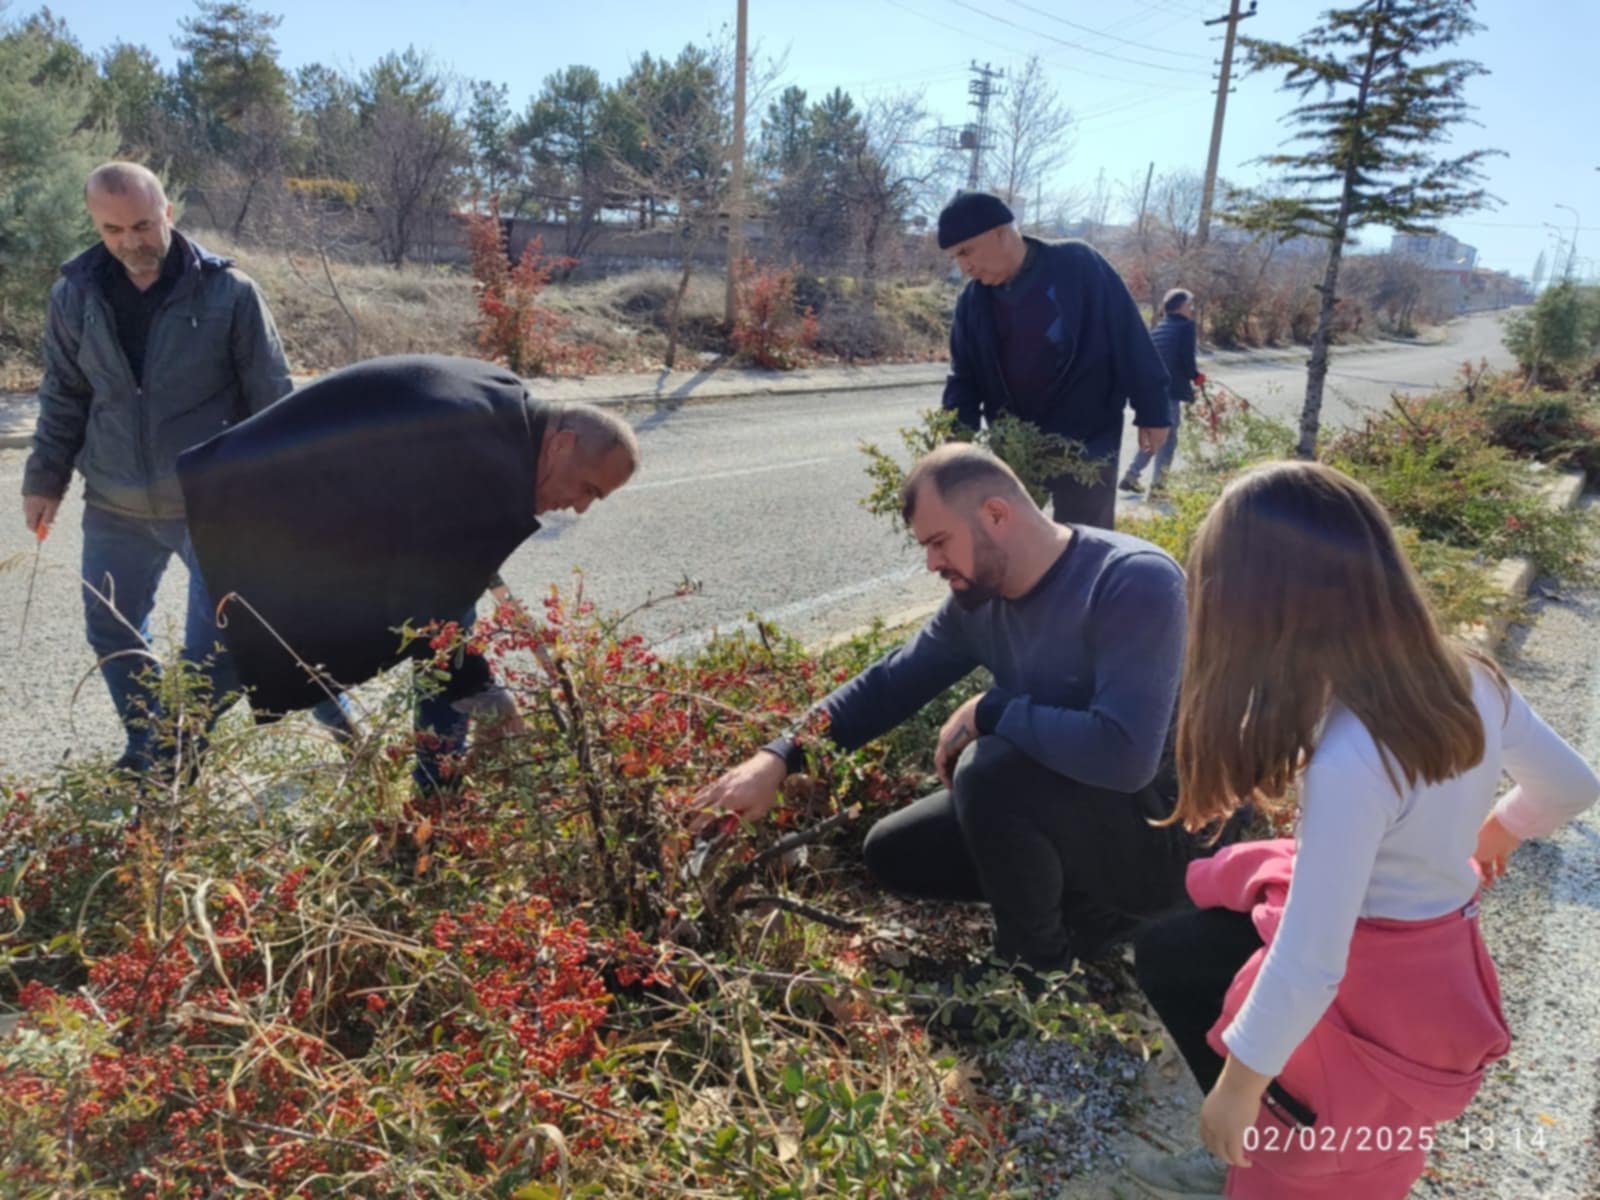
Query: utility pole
x,y
736,182
1144,201
1233,18
982,89
1572,253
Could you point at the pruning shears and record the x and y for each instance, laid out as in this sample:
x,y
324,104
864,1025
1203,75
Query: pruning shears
x,y
40,532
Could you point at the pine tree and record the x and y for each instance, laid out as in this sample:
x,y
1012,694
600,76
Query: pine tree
x,y
1374,99
48,146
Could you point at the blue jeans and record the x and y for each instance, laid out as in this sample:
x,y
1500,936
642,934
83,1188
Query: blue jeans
x,y
123,561
1163,456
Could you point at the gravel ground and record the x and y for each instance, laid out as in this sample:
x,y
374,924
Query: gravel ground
x,y
1075,1099
1531,1132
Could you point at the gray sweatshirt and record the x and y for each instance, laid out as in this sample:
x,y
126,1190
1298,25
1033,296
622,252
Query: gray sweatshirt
x,y
1085,665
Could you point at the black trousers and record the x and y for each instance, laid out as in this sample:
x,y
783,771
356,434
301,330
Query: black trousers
x,y
1185,964
1074,503
1067,868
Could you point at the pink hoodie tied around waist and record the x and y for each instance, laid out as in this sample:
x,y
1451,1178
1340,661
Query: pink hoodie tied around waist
x,y
1403,1046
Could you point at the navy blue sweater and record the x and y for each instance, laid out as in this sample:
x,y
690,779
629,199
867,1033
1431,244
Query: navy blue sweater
x,y
1086,666
1104,357
1174,341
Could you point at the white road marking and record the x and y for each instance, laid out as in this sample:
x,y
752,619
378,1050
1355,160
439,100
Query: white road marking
x,y
645,485
686,642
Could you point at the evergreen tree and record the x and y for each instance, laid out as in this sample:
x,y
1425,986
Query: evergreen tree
x,y
48,145
1374,100
231,67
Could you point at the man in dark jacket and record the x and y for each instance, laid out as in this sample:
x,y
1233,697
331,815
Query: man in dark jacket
x,y
1047,332
385,496
151,346
1174,339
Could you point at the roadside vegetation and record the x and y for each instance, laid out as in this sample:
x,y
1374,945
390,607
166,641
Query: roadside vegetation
x,y
296,978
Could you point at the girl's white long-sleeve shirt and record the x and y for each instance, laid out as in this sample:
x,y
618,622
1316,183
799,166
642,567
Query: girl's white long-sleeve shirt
x,y
1368,849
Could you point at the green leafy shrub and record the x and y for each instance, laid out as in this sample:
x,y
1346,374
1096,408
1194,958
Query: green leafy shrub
x,y
1434,467
1558,428
1561,330
1037,457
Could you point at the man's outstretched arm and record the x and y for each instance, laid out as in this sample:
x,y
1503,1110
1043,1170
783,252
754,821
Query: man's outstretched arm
x,y
874,702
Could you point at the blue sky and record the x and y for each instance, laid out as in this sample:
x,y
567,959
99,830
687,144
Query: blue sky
x,y
1137,73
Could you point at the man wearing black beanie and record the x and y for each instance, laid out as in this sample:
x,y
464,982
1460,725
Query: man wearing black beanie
x,y
1047,332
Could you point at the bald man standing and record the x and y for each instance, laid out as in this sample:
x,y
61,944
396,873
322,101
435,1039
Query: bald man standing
x,y
152,345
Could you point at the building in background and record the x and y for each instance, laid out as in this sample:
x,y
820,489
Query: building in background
x,y
1438,250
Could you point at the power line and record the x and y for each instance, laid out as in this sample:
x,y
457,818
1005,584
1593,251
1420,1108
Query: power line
x,y
929,74
1107,34
1155,12
1020,54
1106,54
1516,225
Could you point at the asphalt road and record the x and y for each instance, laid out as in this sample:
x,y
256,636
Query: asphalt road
x,y
757,499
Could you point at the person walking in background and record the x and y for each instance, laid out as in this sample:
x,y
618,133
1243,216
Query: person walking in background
x,y
1174,339
1047,332
151,345
1332,994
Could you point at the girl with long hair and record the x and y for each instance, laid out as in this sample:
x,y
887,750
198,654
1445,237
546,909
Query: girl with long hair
x,y
1331,993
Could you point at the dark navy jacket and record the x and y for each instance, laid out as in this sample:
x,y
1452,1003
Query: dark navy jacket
x,y
385,494
1105,355
1174,339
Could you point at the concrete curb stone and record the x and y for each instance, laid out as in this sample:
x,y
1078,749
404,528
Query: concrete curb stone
x,y
1514,576
675,388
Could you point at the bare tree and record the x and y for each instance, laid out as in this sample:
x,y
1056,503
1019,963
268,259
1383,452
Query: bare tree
x,y
1033,135
670,148
317,226
891,170
260,152
411,148
1097,204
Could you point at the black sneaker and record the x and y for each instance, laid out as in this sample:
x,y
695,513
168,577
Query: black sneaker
x,y
1130,484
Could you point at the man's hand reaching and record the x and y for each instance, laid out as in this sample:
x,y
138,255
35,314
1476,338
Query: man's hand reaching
x,y
958,731
749,791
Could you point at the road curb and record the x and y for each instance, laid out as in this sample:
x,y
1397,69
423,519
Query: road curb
x,y
777,388
1514,576
780,384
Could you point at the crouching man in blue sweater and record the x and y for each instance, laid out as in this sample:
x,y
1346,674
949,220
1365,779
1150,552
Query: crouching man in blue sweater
x,y
1052,775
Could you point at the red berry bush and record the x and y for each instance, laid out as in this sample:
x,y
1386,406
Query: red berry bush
x,y
541,986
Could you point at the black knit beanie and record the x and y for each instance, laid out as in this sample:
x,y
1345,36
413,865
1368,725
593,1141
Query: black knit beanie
x,y
970,214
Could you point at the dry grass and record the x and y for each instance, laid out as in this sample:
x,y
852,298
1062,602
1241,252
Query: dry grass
x,y
431,310
415,310
626,316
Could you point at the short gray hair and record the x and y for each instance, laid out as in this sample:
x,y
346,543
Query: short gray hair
x,y
598,431
1176,299
120,178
